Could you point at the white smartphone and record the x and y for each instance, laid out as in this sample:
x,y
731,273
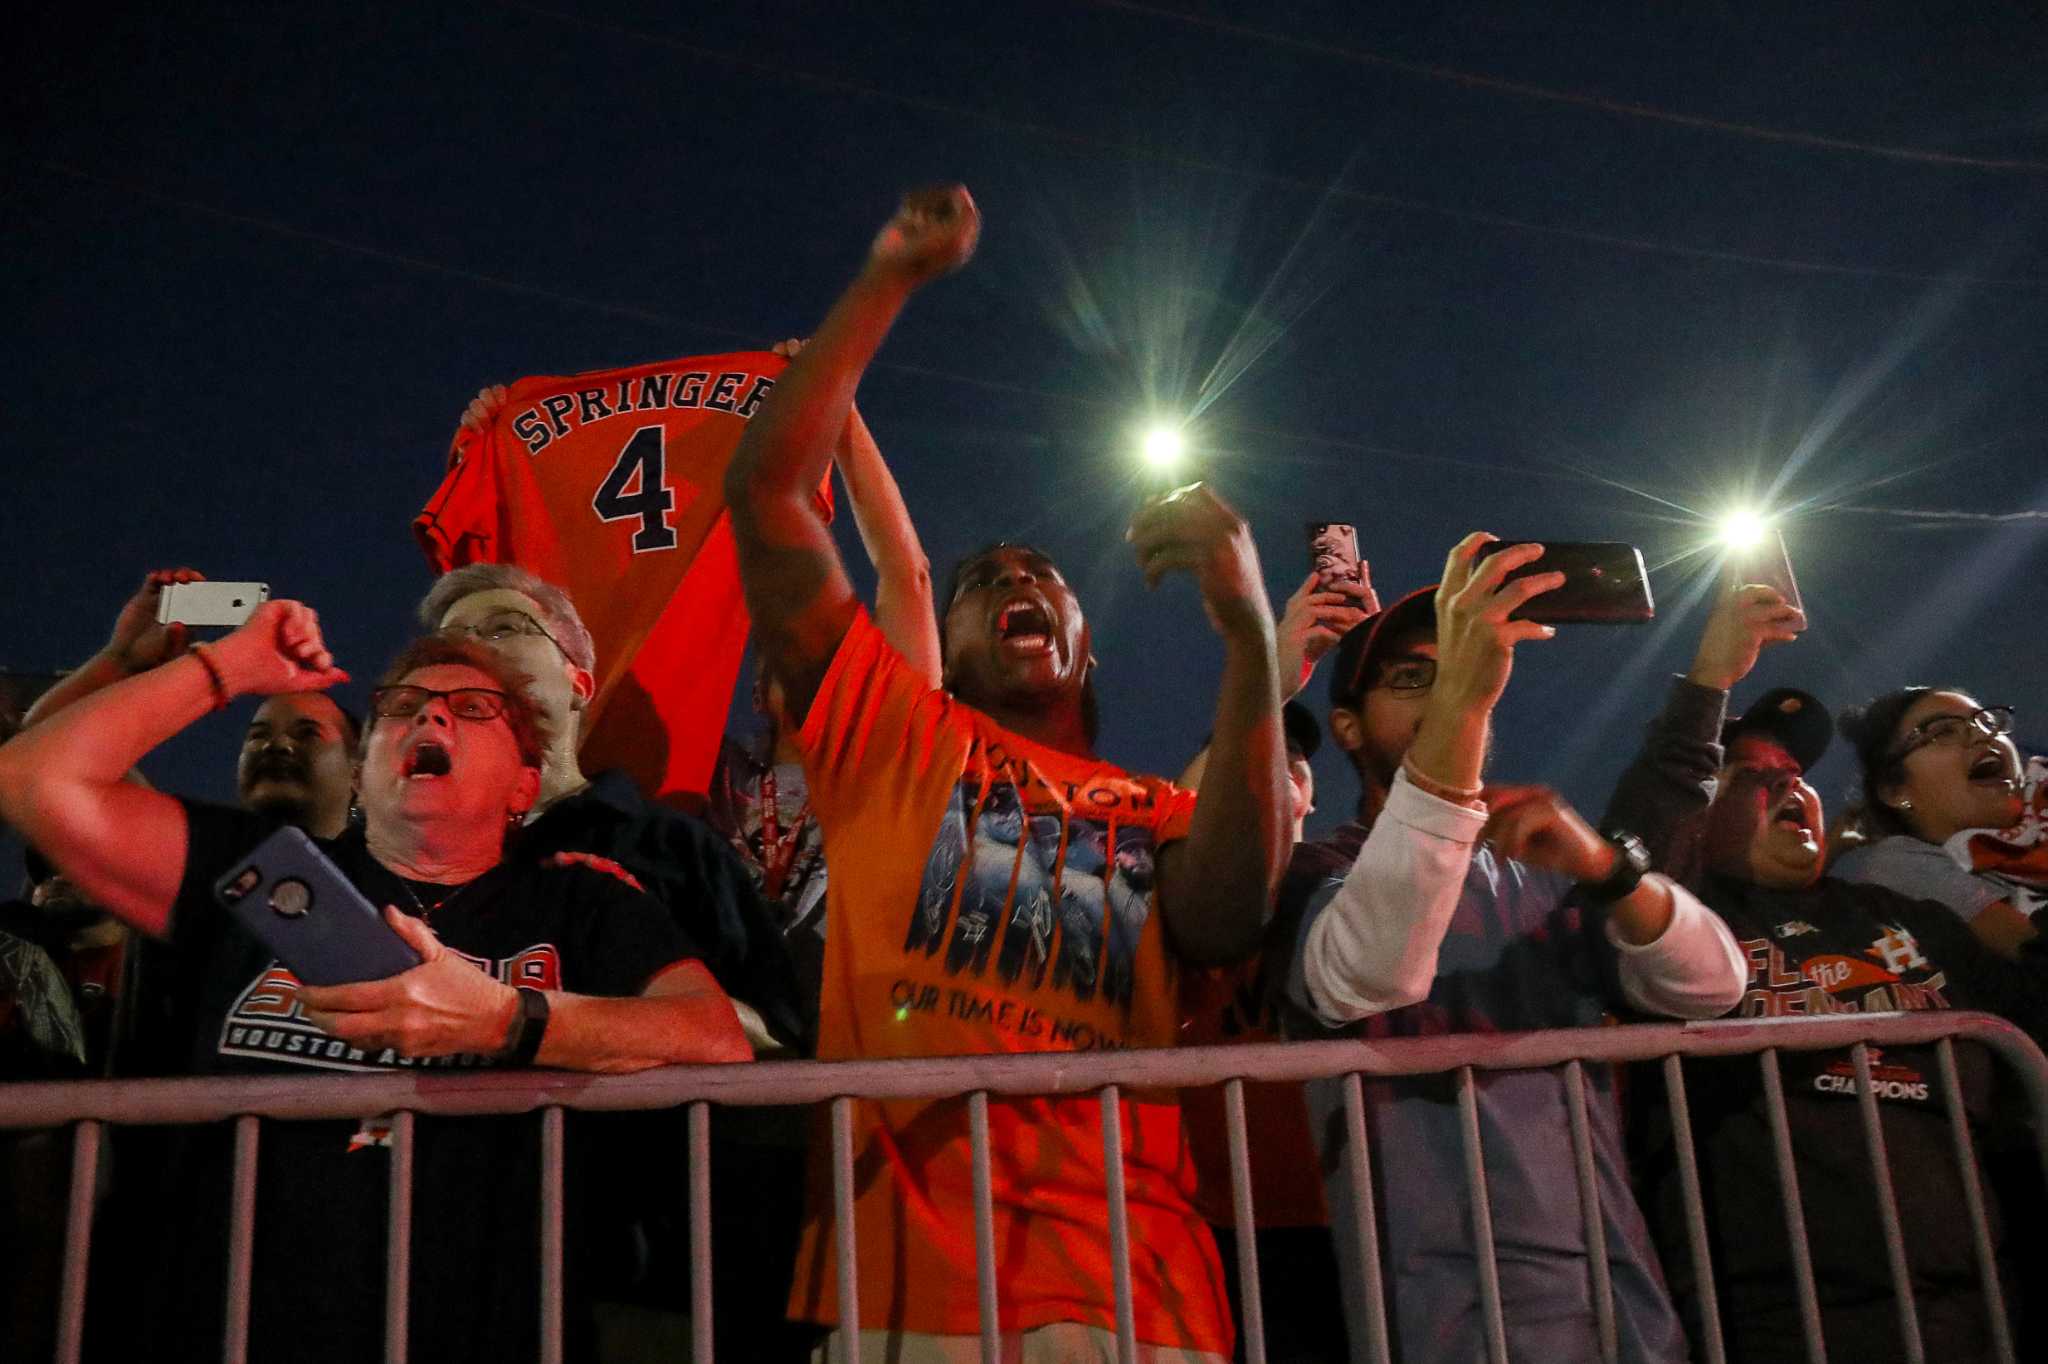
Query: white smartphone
x,y
1768,563
210,603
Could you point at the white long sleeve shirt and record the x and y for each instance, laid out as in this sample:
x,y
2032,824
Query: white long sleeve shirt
x,y
1377,942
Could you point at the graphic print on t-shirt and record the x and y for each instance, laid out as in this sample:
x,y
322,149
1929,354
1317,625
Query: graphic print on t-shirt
x,y
267,1022
1022,880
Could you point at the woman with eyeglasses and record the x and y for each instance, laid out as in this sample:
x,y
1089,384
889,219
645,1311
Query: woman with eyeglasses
x,y
1937,770
565,964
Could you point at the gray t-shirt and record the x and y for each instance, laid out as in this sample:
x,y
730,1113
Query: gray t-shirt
x,y
1920,870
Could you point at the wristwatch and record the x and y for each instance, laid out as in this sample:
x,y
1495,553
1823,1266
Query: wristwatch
x,y
1631,863
532,1024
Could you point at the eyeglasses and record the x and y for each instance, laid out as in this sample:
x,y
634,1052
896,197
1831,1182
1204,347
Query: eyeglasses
x,y
503,625
1405,676
1951,731
464,703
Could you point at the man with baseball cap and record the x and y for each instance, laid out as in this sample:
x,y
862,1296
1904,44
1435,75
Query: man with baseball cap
x,y
1725,804
1455,906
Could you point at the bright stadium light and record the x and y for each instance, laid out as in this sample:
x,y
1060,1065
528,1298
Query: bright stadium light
x,y
1742,528
1163,447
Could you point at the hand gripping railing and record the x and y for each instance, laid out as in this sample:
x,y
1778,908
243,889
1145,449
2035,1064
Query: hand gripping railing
x,y
89,1104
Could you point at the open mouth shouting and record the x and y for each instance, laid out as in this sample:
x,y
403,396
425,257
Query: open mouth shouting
x,y
426,759
1024,627
1993,767
1790,813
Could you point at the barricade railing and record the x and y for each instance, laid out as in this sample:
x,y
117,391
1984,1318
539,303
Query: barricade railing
x,y
90,1104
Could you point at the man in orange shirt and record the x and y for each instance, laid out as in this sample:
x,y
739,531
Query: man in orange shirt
x,y
993,882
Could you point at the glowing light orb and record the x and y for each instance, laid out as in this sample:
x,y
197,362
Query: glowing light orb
x,y
1163,447
1742,529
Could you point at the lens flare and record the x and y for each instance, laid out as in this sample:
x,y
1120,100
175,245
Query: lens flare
x,y
1163,447
1742,528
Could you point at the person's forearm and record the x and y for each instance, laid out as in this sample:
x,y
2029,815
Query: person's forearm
x,y
903,574
1220,889
96,674
589,1033
1374,946
62,787
1662,796
1691,967
788,445
1450,747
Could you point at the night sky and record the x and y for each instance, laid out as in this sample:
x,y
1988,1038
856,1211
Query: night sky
x,y
1555,272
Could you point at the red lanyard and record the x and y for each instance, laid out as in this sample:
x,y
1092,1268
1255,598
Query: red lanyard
x,y
778,849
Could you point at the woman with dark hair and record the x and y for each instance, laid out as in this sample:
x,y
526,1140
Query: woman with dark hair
x,y
1940,776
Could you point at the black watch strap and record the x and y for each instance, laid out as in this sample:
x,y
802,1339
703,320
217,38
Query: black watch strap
x,y
531,1026
1631,864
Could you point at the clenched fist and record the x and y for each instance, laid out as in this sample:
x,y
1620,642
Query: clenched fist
x,y
932,234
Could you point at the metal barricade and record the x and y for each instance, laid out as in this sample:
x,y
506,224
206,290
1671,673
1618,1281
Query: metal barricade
x,y
88,1105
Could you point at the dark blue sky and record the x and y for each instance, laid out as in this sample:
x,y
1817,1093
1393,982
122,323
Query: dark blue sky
x,y
261,256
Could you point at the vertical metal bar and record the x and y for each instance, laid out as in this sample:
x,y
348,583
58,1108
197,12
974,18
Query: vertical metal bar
x,y
398,1242
1590,1208
1794,1206
1365,1223
1973,1199
842,1207
701,1335
1695,1212
1254,1324
241,1242
984,1227
1482,1220
551,1235
85,1171
1119,1227
1887,1205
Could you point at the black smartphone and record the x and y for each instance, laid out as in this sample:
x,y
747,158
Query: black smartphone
x,y
1766,562
320,926
1605,583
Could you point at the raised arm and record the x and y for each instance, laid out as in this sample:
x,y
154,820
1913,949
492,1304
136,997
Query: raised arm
x,y
904,611
61,782
1662,796
1216,887
137,644
796,587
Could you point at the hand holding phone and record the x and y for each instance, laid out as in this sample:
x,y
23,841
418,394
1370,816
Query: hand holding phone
x,y
301,907
1768,563
205,603
1605,583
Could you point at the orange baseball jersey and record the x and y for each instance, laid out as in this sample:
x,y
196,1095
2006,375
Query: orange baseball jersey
x,y
989,895
611,484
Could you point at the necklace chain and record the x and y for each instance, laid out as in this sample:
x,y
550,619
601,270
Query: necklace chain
x,y
427,910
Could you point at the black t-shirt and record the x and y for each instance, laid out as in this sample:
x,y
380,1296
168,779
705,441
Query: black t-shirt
x,y
1841,948
689,868
322,1187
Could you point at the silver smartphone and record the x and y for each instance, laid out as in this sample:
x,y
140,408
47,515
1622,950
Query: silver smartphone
x,y
1766,563
210,603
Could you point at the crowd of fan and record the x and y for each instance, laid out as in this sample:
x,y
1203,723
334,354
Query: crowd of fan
x,y
940,765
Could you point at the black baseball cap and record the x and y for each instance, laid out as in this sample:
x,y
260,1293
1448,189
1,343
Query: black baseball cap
x,y
1352,666
1304,735
1796,719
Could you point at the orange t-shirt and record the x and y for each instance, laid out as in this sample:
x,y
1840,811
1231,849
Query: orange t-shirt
x,y
988,894
1226,1005
611,484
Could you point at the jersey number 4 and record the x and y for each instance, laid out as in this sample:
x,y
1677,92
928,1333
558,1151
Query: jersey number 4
x,y
635,488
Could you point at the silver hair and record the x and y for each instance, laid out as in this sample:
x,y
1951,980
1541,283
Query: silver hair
x,y
558,613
